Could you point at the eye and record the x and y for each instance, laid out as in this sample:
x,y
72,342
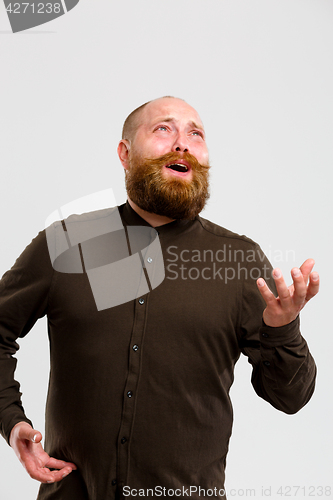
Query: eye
x,y
161,127
197,133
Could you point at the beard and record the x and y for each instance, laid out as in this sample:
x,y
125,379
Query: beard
x,y
173,197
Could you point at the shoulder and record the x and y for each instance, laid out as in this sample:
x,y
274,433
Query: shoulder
x,y
93,217
87,225
67,233
223,233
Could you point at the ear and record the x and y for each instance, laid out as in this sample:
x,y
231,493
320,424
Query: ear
x,y
123,152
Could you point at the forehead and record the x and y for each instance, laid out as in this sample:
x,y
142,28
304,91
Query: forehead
x,y
170,108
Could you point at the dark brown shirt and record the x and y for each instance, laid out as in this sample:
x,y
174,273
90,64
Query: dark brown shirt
x,y
139,392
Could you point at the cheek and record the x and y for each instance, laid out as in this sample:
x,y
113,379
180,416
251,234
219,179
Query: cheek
x,y
160,148
201,154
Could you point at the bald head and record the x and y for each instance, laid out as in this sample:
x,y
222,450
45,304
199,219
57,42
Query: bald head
x,y
132,121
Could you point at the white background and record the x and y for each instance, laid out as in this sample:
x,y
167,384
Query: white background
x,y
260,74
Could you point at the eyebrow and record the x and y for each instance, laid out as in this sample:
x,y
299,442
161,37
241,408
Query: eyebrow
x,y
171,119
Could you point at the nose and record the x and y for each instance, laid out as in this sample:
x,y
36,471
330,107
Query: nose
x,y
180,144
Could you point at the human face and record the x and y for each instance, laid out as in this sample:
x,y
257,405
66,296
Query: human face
x,y
170,125
166,162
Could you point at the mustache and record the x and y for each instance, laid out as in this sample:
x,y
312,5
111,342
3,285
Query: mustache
x,y
174,157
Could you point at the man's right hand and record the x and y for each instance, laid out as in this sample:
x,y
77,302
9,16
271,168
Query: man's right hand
x,y
25,441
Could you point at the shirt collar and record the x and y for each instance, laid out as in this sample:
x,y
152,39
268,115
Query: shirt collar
x,y
131,218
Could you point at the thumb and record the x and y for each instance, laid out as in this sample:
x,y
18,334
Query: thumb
x,y
30,434
36,436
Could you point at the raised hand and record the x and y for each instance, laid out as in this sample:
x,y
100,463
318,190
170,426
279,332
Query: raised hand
x,y
290,301
25,441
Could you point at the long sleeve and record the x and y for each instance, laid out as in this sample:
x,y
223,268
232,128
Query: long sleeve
x,y
24,291
284,371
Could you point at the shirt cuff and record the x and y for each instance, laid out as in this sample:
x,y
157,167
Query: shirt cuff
x,y
10,417
271,336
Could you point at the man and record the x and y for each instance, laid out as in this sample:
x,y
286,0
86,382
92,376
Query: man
x,y
138,401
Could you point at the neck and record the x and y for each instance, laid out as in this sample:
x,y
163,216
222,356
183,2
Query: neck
x,y
153,219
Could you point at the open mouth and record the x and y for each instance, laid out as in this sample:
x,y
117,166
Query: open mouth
x,y
178,167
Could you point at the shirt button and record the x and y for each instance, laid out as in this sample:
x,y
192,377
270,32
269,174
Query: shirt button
x,y
141,301
135,347
267,363
129,394
264,334
114,482
150,260
123,440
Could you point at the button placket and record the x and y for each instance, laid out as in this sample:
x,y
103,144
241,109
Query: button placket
x,y
153,261
131,388
134,353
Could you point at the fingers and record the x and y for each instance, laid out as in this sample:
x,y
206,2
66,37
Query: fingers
x,y
44,475
290,301
38,467
273,314
306,269
297,294
313,287
302,291
300,287
282,304
54,463
266,293
281,288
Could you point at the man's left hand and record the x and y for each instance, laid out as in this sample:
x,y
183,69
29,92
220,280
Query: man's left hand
x,y
290,301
